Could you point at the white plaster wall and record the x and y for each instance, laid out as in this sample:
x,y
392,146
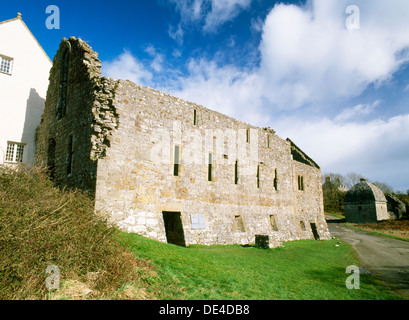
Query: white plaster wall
x,y
22,94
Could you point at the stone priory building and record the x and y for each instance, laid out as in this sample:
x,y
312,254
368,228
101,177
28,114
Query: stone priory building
x,y
172,170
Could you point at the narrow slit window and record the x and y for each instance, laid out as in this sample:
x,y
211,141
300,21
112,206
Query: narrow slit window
x,y
248,135
194,117
70,154
176,161
236,172
209,174
63,86
258,176
301,183
275,180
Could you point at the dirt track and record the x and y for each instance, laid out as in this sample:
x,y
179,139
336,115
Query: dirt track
x,y
385,258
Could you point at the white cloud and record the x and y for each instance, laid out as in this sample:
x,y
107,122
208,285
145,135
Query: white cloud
x,y
190,10
127,67
375,149
158,59
223,11
308,58
177,34
210,14
357,111
226,89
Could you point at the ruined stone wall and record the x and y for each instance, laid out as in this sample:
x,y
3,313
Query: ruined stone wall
x,y
308,199
358,213
120,140
366,212
78,136
136,181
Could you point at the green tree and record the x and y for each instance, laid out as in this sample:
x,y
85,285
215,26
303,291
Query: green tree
x,y
334,193
385,188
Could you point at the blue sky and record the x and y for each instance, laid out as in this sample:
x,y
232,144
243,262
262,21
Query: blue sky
x,y
342,95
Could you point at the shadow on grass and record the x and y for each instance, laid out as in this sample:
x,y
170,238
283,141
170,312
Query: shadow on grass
x,y
370,287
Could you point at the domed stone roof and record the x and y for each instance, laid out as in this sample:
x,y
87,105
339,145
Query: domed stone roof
x,y
364,192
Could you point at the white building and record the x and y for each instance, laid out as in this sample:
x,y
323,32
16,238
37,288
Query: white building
x,y
24,72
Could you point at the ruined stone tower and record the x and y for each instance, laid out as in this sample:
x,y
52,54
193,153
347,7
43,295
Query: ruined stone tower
x,y
169,169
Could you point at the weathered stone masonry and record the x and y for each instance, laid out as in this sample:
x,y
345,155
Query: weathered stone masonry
x,y
172,170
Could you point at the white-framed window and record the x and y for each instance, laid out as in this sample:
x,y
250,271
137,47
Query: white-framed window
x,y
15,152
6,64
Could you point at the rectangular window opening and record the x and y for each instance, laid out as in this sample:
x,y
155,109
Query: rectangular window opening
x,y
301,183
236,173
194,117
258,176
70,154
275,180
238,224
209,175
63,84
273,223
176,161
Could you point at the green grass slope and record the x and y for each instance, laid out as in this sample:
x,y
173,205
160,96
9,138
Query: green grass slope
x,y
42,226
302,270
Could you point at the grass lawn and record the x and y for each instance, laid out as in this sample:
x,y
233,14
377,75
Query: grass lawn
x,y
301,270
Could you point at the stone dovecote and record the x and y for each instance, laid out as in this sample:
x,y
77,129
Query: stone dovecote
x,y
172,170
364,203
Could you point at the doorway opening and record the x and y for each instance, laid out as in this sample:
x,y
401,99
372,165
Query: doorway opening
x,y
174,228
314,231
